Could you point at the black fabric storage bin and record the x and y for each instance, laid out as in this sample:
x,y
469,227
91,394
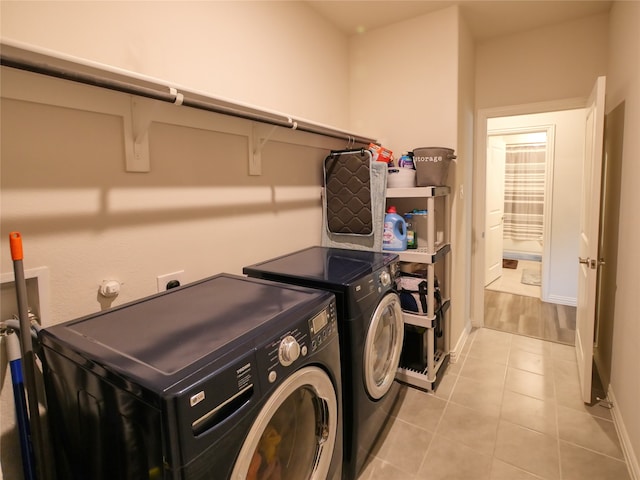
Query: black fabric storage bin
x,y
412,289
414,348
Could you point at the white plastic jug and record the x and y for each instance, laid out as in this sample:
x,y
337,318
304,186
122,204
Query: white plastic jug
x,y
394,236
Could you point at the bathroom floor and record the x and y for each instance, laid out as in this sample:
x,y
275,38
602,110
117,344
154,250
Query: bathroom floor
x,y
508,409
511,280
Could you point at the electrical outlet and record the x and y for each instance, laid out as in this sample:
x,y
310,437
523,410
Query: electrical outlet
x,y
164,280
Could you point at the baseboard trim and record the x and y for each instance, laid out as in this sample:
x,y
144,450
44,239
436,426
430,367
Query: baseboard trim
x,y
568,301
627,448
534,257
454,354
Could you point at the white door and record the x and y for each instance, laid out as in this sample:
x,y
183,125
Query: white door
x,y
494,227
589,230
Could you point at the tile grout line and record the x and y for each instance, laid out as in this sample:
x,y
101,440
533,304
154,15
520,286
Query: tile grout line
x,y
552,374
425,452
504,388
557,434
555,401
577,445
447,403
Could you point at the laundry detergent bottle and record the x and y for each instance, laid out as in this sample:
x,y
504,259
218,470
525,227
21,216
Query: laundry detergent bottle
x,y
394,235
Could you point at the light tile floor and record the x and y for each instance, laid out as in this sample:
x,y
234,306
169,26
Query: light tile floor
x,y
509,409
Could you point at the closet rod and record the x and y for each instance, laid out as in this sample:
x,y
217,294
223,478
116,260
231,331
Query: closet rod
x,y
77,70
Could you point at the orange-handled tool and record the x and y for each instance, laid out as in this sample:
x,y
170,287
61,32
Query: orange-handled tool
x,y
28,358
15,242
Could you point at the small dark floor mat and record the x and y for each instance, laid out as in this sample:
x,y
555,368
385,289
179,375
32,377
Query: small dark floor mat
x,y
509,263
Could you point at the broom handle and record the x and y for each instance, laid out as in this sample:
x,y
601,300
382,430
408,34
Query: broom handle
x,y
22,416
29,365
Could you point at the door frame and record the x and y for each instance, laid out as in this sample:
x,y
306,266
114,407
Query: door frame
x,y
549,158
479,186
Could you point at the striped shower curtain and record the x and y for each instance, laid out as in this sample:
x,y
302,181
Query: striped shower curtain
x,y
524,191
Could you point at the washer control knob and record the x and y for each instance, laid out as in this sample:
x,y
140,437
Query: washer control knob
x,y
289,351
385,278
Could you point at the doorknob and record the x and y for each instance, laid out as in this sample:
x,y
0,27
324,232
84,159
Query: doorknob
x,y
592,263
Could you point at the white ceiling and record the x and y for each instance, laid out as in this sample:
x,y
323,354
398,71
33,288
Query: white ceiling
x,y
486,19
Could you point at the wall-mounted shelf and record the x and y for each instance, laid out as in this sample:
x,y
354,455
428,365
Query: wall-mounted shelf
x,y
41,61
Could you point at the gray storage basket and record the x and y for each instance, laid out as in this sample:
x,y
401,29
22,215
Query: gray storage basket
x,y
432,165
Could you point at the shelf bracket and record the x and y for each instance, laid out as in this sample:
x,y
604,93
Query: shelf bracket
x,y
256,144
136,134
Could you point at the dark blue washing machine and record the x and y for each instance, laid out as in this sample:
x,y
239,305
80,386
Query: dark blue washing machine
x,y
226,378
371,333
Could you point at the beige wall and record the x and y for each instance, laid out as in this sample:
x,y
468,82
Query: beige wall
x,y
422,97
557,62
403,87
623,85
57,161
277,54
462,188
81,215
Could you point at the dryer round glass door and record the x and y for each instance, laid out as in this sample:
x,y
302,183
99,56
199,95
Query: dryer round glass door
x,y
383,346
294,435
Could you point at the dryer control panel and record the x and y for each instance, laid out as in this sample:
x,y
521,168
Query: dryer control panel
x,y
323,327
306,337
376,283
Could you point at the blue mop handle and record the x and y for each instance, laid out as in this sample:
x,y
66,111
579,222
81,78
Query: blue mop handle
x,y
26,447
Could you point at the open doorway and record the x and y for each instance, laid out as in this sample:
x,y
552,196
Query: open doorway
x,y
518,199
563,124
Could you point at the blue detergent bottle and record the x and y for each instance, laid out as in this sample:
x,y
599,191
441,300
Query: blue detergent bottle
x,y
394,236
